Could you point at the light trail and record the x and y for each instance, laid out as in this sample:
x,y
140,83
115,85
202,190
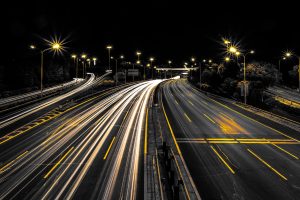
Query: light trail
x,y
86,134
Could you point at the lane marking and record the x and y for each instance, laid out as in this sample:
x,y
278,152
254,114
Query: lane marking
x,y
171,130
277,131
107,152
269,166
58,163
222,159
285,151
210,119
176,102
146,133
5,167
187,117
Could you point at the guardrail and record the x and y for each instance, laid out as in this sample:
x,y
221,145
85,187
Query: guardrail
x,y
283,100
14,100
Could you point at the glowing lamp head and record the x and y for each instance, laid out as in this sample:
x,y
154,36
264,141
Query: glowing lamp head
x,y
122,57
83,56
56,46
288,54
94,59
252,51
226,41
109,47
193,59
138,53
237,53
227,59
32,46
210,61
138,62
232,49
151,59
169,61
73,56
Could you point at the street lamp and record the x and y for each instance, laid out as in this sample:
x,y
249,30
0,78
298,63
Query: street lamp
x,y
244,80
108,47
94,60
55,46
290,54
74,56
116,60
279,65
83,56
151,61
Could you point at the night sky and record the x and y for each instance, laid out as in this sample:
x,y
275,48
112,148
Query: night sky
x,y
163,29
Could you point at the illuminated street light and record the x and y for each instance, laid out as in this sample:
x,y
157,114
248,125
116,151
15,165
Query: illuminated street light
x,y
32,46
109,47
290,54
83,56
74,56
193,59
55,45
209,61
232,49
151,61
227,59
94,60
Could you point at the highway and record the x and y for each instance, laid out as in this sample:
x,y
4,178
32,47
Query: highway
x,y
231,153
19,114
289,94
93,151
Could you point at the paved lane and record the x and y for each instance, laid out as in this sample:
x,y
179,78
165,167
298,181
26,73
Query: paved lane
x,y
231,155
94,153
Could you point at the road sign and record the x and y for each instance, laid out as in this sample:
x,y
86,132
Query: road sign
x,y
133,72
244,88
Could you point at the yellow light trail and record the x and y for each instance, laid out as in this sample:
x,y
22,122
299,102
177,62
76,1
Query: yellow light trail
x,y
222,159
269,166
107,152
55,166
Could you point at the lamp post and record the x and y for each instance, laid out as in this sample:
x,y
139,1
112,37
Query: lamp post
x,y
170,62
54,46
138,53
108,47
83,56
289,54
244,80
116,74
151,61
279,65
74,56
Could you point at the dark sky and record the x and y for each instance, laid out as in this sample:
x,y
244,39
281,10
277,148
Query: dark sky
x,y
163,29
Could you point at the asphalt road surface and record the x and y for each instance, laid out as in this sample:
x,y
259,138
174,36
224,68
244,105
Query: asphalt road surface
x,y
232,154
93,151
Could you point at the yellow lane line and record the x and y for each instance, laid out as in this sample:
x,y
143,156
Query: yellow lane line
x,y
8,164
277,131
146,133
55,166
269,166
107,152
187,117
222,159
210,119
285,151
171,130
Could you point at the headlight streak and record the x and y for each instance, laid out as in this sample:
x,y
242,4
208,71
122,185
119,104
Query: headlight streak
x,y
25,113
66,178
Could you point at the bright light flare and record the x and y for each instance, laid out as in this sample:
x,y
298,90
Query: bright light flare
x,y
56,44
